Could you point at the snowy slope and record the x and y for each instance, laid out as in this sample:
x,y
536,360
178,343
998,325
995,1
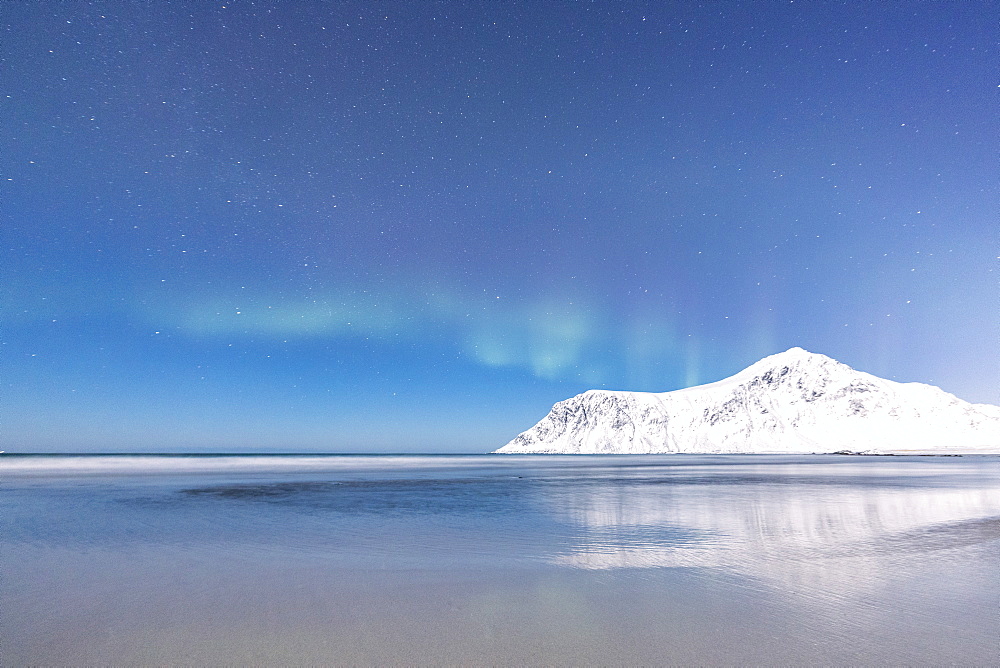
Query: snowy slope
x,y
792,402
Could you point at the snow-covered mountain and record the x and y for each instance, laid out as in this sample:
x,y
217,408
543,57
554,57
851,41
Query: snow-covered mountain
x,y
792,402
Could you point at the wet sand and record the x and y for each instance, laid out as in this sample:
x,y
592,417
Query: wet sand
x,y
738,562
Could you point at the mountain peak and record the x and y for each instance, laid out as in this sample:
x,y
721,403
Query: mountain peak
x,y
795,354
797,360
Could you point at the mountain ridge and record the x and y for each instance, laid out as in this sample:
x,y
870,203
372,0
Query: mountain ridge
x,y
791,402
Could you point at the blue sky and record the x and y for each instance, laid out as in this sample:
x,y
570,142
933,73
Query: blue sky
x,y
414,226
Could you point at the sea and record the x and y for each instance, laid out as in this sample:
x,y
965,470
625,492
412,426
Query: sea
x,y
499,560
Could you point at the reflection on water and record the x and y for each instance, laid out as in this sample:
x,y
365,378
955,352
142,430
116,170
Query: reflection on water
x,y
766,517
824,532
805,519
632,549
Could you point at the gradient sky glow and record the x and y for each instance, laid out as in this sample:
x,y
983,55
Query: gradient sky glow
x,y
413,226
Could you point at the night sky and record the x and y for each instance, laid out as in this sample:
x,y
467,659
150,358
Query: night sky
x,y
413,226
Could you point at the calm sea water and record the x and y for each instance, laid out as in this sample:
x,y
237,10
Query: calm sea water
x,y
499,560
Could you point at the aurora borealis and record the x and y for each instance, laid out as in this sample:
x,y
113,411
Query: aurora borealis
x,y
413,226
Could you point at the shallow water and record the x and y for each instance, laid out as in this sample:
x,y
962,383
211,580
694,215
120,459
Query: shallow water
x,y
499,559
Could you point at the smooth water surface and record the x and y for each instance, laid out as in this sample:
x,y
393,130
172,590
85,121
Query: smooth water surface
x,y
499,559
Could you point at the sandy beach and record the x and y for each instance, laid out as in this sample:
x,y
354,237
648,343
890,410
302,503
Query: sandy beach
x,y
480,560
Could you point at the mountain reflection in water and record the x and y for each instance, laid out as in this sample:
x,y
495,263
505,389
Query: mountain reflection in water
x,y
825,529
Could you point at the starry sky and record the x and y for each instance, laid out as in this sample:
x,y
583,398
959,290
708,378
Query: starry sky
x,y
413,226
